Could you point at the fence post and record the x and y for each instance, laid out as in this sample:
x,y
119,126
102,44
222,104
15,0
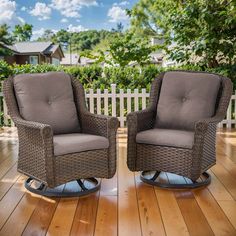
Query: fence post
x,y
144,99
106,102
136,104
113,99
98,101
121,95
128,101
91,101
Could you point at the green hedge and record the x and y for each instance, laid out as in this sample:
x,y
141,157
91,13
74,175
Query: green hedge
x,y
96,77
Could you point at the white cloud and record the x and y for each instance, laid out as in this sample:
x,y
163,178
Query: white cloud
x,y
123,3
64,20
38,33
23,8
78,28
8,13
71,8
117,14
41,10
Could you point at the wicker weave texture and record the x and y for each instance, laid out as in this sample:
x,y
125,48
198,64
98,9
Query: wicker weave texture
x,y
36,158
190,163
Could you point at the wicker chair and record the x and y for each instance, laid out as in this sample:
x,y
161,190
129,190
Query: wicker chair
x,y
59,140
177,132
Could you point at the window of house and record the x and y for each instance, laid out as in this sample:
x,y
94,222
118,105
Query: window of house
x,y
34,60
55,61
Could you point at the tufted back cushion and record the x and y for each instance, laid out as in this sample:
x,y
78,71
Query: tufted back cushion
x,y
47,98
185,98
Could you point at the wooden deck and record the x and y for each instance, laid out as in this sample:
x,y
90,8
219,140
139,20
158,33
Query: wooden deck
x,y
124,206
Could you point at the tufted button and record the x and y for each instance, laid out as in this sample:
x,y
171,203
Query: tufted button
x,y
49,102
184,99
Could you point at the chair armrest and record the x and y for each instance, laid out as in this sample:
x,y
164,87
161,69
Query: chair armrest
x,y
136,122
203,125
35,150
44,130
141,120
98,124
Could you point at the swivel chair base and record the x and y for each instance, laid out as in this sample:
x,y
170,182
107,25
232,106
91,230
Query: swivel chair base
x,y
205,180
85,187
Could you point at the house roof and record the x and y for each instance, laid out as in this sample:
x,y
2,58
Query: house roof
x,y
29,47
35,47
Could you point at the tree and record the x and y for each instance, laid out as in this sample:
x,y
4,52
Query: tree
x,y
127,48
119,28
47,35
22,32
5,38
202,31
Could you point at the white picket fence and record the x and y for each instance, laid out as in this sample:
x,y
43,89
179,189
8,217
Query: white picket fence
x,y
119,104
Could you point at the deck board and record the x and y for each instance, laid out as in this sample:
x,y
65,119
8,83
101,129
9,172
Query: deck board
x,y
124,205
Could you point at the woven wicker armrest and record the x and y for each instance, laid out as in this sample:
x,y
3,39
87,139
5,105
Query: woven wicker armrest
x,y
203,125
98,124
44,130
141,120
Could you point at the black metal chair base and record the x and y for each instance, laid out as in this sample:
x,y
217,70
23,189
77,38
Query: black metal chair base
x,y
82,188
189,184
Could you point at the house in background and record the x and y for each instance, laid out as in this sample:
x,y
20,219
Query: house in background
x,y
70,59
34,53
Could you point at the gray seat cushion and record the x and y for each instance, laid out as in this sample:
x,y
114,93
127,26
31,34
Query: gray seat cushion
x,y
185,98
166,137
74,143
47,98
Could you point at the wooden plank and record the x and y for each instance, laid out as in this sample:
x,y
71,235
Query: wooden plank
x,y
8,180
63,217
11,199
228,164
109,187
193,216
229,208
106,223
21,215
150,215
213,213
7,164
228,181
171,214
217,189
128,212
41,217
85,215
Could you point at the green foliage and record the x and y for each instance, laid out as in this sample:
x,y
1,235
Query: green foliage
x,y
5,36
203,31
96,77
22,33
126,48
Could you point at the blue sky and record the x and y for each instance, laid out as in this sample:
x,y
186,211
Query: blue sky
x,y
73,15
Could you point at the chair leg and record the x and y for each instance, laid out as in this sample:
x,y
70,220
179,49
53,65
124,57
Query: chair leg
x,y
53,192
195,184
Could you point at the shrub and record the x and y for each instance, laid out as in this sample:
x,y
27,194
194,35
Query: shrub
x,y
96,77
